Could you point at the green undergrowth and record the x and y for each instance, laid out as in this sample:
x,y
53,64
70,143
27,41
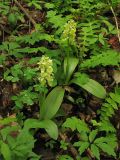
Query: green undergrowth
x,y
47,65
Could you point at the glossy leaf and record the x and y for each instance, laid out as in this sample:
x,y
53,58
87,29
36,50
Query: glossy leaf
x,y
91,86
51,128
48,125
52,103
70,64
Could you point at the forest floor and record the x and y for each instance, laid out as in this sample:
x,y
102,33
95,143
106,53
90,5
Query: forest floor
x,y
108,76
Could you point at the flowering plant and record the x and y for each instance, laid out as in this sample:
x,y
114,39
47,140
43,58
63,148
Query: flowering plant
x,y
46,75
69,32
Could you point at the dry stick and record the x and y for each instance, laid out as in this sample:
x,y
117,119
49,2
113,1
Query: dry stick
x,y
70,146
29,26
117,26
3,36
25,12
3,29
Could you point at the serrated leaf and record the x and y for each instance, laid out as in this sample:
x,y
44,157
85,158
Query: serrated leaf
x,y
5,151
95,151
71,123
7,130
111,139
112,103
78,144
106,126
84,136
75,123
107,144
99,140
109,57
92,135
82,146
115,97
49,5
82,126
107,148
65,157
7,120
52,103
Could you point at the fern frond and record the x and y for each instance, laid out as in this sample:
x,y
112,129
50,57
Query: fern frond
x,y
57,21
75,123
107,144
109,107
34,37
107,127
109,57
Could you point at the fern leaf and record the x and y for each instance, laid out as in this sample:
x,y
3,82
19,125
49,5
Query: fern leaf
x,y
82,146
110,57
92,135
95,151
107,144
106,126
115,97
82,126
109,107
71,123
75,123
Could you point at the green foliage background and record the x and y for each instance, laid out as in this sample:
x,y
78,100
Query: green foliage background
x,y
74,35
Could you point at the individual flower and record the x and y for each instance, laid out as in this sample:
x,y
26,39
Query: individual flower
x,y
46,75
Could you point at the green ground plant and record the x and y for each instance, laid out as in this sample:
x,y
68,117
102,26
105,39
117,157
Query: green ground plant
x,y
102,137
55,55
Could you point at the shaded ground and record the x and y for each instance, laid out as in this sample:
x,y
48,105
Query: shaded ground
x,y
88,110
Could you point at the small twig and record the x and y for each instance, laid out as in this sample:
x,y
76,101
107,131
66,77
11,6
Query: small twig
x,y
116,21
70,146
3,29
29,27
25,12
3,36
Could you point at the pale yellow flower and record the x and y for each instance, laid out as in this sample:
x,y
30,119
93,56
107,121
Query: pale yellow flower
x,y
45,66
69,32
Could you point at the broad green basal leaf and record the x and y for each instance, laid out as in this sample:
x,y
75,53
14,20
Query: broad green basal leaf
x,y
70,64
52,103
48,125
51,128
91,86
